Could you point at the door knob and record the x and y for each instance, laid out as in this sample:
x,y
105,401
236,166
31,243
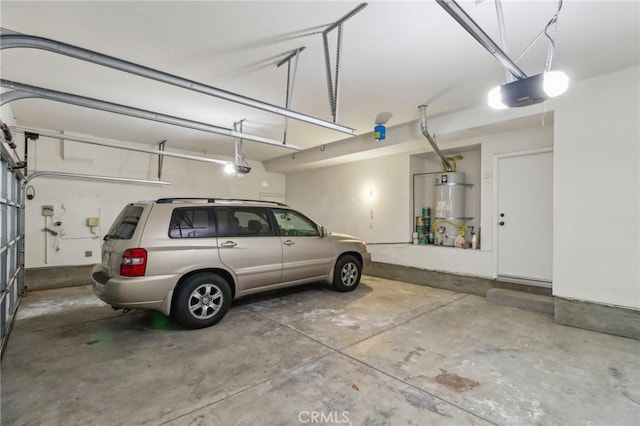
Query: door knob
x,y
501,223
501,214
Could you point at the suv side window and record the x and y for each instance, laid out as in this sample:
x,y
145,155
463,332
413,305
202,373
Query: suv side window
x,y
192,222
292,223
243,222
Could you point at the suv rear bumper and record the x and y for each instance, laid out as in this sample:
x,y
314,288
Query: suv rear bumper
x,y
147,292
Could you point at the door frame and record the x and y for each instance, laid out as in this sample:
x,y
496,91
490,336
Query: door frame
x,y
496,201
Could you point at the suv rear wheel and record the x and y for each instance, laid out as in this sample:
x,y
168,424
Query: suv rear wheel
x,y
201,301
346,276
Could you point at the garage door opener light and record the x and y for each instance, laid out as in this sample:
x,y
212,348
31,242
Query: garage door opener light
x,y
528,91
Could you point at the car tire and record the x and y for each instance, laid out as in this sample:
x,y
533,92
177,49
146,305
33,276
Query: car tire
x,y
201,301
347,273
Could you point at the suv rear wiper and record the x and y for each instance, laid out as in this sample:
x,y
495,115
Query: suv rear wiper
x,y
109,236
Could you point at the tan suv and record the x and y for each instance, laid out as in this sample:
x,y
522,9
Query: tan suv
x,y
189,258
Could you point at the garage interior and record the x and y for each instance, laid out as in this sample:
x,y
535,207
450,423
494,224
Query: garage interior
x,y
521,308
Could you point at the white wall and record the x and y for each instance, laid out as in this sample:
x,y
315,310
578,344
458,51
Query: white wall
x,y
337,196
597,190
367,199
76,200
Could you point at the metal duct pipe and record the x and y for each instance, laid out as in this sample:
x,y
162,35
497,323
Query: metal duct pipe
x,y
39,92
425,132
10,39
98,142
34,175
466,22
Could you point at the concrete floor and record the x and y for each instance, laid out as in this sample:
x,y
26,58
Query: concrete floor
x,y
387,353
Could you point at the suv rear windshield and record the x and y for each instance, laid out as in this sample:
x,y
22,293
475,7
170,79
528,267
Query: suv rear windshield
x,y
125,224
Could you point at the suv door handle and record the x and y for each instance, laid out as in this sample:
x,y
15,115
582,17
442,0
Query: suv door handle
x,y
229,244
288,243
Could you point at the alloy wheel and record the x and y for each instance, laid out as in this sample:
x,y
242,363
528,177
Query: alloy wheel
x,y
205,301
349,274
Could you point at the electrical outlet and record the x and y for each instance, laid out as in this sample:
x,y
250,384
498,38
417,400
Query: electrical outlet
x,y
47,210
88,254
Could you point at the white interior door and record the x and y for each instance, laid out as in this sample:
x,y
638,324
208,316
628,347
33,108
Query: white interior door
x,y
525,216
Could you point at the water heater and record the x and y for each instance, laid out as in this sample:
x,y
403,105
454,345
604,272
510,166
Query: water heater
x,y
449,219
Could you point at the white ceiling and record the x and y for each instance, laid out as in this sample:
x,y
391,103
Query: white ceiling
x,y
396,55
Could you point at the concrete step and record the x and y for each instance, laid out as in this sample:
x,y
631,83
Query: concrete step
x,y
520,299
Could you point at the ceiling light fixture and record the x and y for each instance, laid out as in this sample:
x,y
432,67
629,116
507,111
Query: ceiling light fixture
x,y
528,91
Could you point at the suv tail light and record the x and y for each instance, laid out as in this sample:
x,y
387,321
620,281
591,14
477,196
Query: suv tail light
x,y
134,262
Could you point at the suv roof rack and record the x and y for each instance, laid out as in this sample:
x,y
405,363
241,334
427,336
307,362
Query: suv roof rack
x,y
212,200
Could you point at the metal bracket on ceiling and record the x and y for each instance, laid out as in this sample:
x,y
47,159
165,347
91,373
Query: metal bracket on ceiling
x,y
291,79
239,158
551,27
23,91
28,136
161,158
333,82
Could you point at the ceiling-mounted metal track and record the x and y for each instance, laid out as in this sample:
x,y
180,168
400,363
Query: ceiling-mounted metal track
x,y
41,173
458,13
10,39
109,144
28,91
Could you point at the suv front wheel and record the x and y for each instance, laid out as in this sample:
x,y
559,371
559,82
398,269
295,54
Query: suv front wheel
x,y
201,301
346,276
